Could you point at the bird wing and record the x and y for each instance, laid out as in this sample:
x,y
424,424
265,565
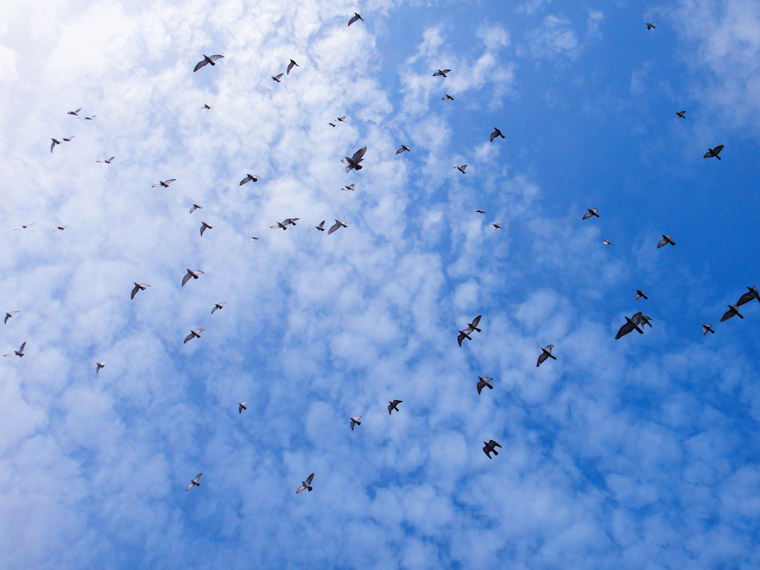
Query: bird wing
x,y
290,66
190,486
662,242
746,298
186,278
134,291
461,337
22,347
541,357
476,320
354,19
301,489
717,149
309,479
494,443
52,145
359,154
200,64
481,385
188,337
333,228
203,228
399,151
727,315
494,135
244,180
215,57
624,330
587,215
321,225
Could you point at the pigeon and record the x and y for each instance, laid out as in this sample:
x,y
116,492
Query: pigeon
x,y
8,315
490,447
242,406
285,223
354,18
336,226
164,183
291,65
206,60
442,73
355,422
403,148
24,227
205,226
333,125
355,161
75,113
752,293
650,26
732,310
591,212
640,294
306,484
194,482
68,139
471,327
497,226
321,226
546,352
393,406
447,97
607,242
254,238
191,274
107,161
714,152
341,119
52,145
195,207
282,225
496,133
138,287
461,168
630,324
249,178
277,77
206,106
60,228
196,333
664,241
99,366
90,118
480,211
19,352
218,307
707,329
681,114
348,188
483,381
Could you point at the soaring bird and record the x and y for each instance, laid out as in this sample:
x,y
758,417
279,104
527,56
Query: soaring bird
x,y
19,352
277,77
291,65
355,422
354,18
336,226
752,293
191,274
546,352
393,406
306,485
206,106
461,168
249,178
321,226
665,241
333,125
75,113
60,228
355,161
24,227
607,242
484,381
714,152
194,482
341,119
90,118
206,60
195,333
650,26
640,294
681,114
285,223
707,329
497,226
447,97
442,73
205,226
480,211
732,310
471,327
68,139
630,324
218,307
254,238
138,287
164,183
99,366
348,188
403,149
496,133
242,406
591,212
107,161
8,315
490,447
52,145
195,207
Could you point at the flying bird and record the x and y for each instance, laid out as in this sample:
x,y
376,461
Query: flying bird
x,y
218,307
497,226
355,161
480,211
206,106
291,65
306,485
461,168
393,406
640,294
714,152
355,422
341,119
205,226
471,327
607,242
60,228
191,274
333,125
665,241
403,148
99,366
707,329
8,315
336,226
591,212
52,145
164,183
277,77
442,73
24,227
19,352
254,238
90,118
348,188
139,287
75,113
447,97
752,293
107,161
242,406
249,178
496,133
285,223
546,352
630,325
490,447
354,18
195,207
206,60
650,26
732,310
484,381
681,114
69,138
196,333
194,482
321,226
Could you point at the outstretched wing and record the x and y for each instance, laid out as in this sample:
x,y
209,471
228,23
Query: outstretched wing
x,y
22,347
354,19
476,320
309,479
727,315
200,64
215,57
746,298
359,154
333,228
188,337
134,291
717,149
186,278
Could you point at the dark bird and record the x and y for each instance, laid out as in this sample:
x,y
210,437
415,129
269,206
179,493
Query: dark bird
x,y
681,114
218,307
607,242
75,113
60,228
354,18
640,294
348,188
403,148
206,60
194,482
333,125
19,352
355,161
752,293
714,152
9,315
249,178
336,226
591,212
321,226
496,133
630,325
195,207
355,422
665,241
205,226
650,26
99,366
341,119
483,381
191,274
447,97
393,406
497,226
732,310
546,352
306,484
107,161
90,118
442,73
490,447
205,106
461,168
242,406
254,238
480,211
69,138
164,183
707,329
138,287
195,333
277,77
24,227
471,327
291,65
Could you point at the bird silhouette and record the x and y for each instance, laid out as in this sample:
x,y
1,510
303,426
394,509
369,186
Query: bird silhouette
x,y
207,60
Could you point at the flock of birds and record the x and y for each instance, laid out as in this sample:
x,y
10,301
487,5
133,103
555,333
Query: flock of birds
x,y
354,162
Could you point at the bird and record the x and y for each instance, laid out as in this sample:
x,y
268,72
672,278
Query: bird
x,y
607,242
291,65
732,310
285,223
461,168
681,114
442,73
139,287
752,293
496,133
714,152
483,381
650,26
341,119
355,161
8,315
99,366
205,226
348,188
707,329
52,145
164,183
195,207
630,324
206,106
447,97
306,485
480,211
471,327
194,482
393,406
591,212
206,60
242,406
194,274
254,238
24,227
336,226
546,352
68,139
60,228
321,226
218,307
75,113
664,241
497,226
490,447
277,77
355,422
196,333
333,125
107,161
19,352
249,178
90,118
403,148
640,294
354,18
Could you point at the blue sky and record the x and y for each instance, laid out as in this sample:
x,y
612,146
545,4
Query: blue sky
x,y
632,453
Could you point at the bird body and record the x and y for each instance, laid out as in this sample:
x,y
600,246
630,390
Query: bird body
x,y
447,97
442,73
107,161
348,188
277,77
291,65
480,211
195,207
75,113
207,60
403,148
681,114
242,406
321,226
99,366
490,447
355,161
650,26
630,325
306,485
249,178
707,329
195,482
496,133
164,183
665,241
607,242
205,226
752,293
640,294
461,168
732,310
497,226
471,327
393,405
546,352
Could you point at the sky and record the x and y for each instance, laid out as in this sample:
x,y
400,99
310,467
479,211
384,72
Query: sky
x,y
638,453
